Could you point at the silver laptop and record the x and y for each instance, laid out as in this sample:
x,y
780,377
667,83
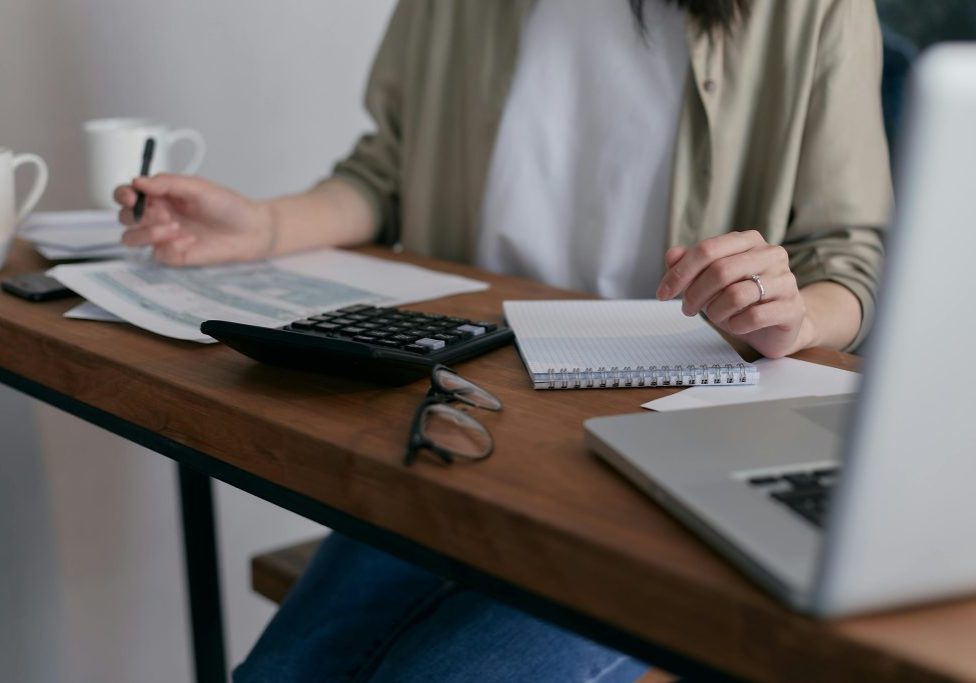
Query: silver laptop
x,y
848,505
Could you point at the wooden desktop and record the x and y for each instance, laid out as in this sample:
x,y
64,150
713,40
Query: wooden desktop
x,y
542,523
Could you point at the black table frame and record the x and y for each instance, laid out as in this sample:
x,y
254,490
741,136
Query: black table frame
x,y
196,469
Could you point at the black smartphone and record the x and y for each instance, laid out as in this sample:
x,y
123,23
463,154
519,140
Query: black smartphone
x,y
35,287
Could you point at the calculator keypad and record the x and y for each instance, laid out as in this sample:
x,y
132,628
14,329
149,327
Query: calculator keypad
x,y
392,328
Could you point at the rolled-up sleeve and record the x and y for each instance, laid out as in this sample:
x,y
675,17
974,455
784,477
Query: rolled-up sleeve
x,y
843,196
375,163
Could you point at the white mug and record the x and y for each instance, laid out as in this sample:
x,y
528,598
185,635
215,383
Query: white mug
x,y
114,150
11,214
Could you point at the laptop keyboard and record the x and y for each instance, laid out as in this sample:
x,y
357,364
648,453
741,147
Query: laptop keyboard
x,y
805,493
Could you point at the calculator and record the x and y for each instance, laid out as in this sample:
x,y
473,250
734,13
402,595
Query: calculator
x,y
381,344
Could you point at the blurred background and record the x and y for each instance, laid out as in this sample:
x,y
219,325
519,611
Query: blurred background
x,y
91,574
925,23
90,557
910,26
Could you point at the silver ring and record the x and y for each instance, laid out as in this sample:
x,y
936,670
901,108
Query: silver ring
x,y
759,284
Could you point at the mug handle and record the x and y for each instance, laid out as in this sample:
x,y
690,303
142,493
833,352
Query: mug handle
x,y
40,182
199,147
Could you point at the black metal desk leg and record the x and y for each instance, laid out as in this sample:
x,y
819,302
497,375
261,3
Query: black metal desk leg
x,y
202,578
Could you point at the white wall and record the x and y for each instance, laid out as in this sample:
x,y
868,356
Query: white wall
x,y
90,560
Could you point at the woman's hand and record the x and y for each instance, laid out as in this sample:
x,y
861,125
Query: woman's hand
x,y
714,276
190,221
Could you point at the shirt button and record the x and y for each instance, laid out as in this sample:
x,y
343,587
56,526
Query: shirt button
x,y
709,85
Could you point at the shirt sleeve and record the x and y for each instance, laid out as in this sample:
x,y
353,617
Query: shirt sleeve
x,y
842,197
374,165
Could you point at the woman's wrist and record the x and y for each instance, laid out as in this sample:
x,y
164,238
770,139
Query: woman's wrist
x,y
331,214
809,335
270,224
833,315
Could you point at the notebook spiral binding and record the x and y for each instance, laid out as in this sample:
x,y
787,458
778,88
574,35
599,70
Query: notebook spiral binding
x,y
644,376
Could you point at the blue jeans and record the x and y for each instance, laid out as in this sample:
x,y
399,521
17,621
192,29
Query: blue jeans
x,y
359,614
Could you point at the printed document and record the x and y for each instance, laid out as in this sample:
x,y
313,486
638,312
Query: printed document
x,y
174,301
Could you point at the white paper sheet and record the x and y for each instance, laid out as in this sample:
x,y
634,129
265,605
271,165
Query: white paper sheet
x,y
59,219
174,301
781,378
73,230
61,254
89,311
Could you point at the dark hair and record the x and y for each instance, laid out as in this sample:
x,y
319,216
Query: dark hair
x,y
709,13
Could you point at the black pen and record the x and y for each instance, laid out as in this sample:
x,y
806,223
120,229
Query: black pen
x,y
147,155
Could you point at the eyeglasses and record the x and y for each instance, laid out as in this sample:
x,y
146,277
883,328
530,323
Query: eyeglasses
x,y
447,432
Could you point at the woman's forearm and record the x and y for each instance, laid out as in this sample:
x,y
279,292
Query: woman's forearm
x,y
834,315
331,214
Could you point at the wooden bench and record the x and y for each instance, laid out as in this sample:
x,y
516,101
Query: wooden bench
x,y
274,573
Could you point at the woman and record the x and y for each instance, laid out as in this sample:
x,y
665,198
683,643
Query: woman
x,y
669,148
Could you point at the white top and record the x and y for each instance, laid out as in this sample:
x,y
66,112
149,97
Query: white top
x,y
578,188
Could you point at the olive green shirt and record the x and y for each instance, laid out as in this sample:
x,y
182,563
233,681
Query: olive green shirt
x,y
781,131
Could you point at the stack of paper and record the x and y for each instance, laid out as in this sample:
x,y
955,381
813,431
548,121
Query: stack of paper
x,y
174,301
76,235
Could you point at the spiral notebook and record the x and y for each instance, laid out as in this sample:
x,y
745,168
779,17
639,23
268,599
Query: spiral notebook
x,y
598,344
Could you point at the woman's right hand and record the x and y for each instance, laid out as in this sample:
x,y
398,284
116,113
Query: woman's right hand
x,y
190,221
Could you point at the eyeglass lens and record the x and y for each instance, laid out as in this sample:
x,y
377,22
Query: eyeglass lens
x,y
452,430
450,382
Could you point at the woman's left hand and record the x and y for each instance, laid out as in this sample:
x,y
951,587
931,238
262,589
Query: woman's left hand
x,y
715,276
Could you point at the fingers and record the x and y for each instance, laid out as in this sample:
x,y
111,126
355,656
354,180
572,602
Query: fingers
x,y
154,235
185,250
157,188
715,276
157,211
125,195
168,197
699,257
674,254
769,261
178,252
744,294
170,185
783,313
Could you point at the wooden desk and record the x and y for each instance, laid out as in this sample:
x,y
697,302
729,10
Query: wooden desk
x,y
542,523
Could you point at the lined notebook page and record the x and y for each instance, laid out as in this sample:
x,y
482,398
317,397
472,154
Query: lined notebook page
x,y
554,335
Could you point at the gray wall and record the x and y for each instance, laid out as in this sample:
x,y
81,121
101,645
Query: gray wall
x,y
90,574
